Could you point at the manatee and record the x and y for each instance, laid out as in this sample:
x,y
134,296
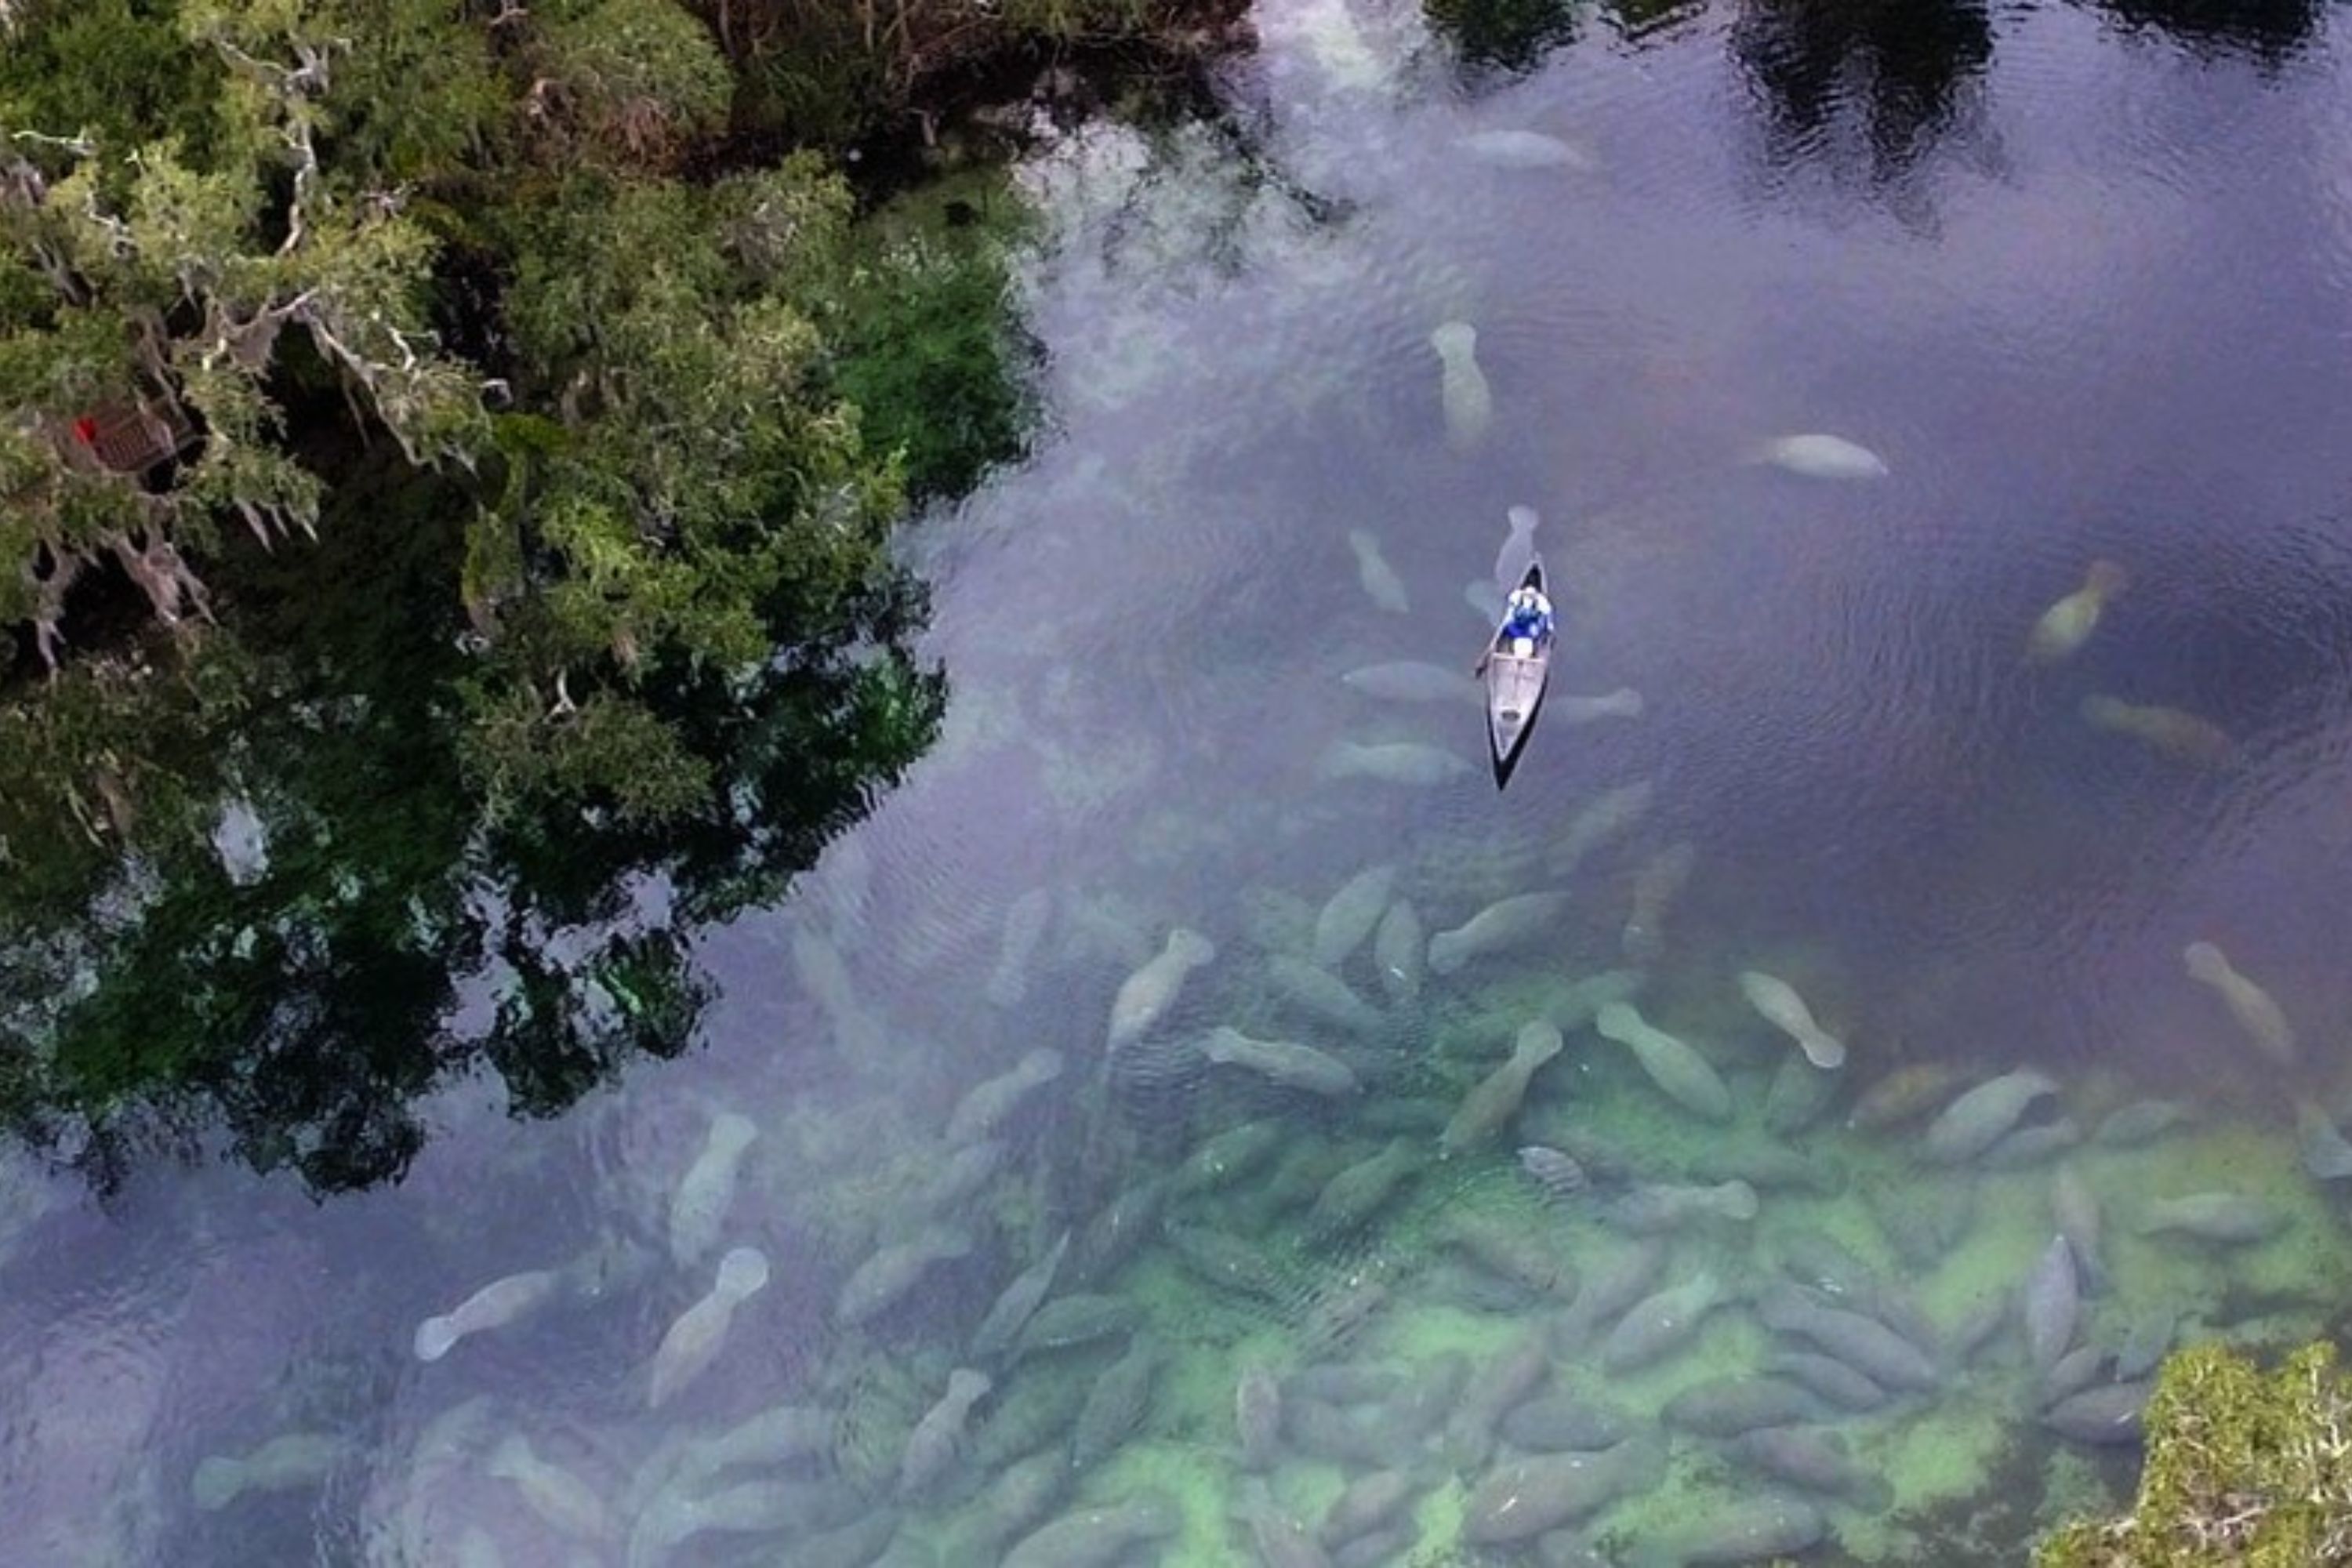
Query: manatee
x,y
2182,736
1555,1171
1348,1438
1227,1262
1397,952
2141,1121
694,1338
2107,1414
2325,1153
1605,817
1677,1069
1367,1502
1813,1461
1432,1392
1380,582
1797,1095
1772,1167
1827,1378
1106,1537
1391,761
1823,1263
1571,710
1349,915
1281,1540
1257,1415
988,1105
1819,456
1024,926
1976,1120
1346,1383
1910,1091
284,1463
2076,1208
1525,150
1392,1544
1727,1407
824,976
1079,1320
1923,1221
1321,995
1577,1004
1338,1313
1863,1342
2037,1145
1781,1006
1653,1208
749,1508
2067,625
1526,1256
1145,996
2049,1305
781,1435
494,1306
565,1501
960,1176
2071,1373
1517,551
1119,1228
1494,1386
699,1207
1562,1422
1412,681
1525,1498
1752,1529
1508,923
932,1446
1975,1328
1461,386
1023,1494
1659,1323
1654,889
1284,1062
884,1279
1018,1301
2147,1339
1117,1404
1609,1292
1495,1100
1239,1151
2226,1217
1352,1198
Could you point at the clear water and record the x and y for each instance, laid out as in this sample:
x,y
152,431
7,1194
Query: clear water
x,y
2077,275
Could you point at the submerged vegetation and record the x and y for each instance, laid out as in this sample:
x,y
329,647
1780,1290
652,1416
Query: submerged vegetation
x,y
2243,1467
449,452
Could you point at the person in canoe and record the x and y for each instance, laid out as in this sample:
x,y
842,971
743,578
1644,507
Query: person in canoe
x,y
1526,625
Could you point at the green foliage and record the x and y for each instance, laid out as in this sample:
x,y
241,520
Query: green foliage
x,y
2243,1468
528,550
634,81
116,71
929,352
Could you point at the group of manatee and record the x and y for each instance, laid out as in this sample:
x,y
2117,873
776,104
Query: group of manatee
x,y
1427,1234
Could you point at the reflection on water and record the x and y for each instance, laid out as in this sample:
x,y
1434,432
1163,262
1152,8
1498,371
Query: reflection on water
x,y
1196,1120
1899,70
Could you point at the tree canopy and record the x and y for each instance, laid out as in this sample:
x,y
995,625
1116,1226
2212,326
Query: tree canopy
x,y
444,505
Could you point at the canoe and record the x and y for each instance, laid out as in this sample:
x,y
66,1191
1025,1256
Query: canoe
x,y
1515,688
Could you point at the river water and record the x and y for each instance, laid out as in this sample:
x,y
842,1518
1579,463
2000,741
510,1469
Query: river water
x,y
2070,286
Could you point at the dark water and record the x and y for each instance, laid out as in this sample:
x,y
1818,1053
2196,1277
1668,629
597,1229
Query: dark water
x,y
2077,276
